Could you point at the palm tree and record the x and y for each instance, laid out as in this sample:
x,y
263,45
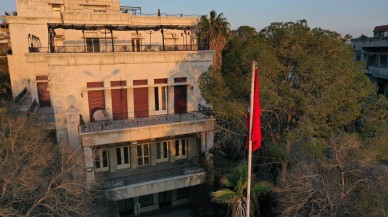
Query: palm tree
x,y
234,195
214,31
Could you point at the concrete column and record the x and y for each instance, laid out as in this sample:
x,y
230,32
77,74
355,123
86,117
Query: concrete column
x,y
112,160
133,156
209,141
156,199
192,148
89,166
72,127
170,98
174,195
153,154
151,101
130,101
108,99
203,141
172,151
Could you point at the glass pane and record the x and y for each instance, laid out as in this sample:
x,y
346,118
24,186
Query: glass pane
x,y
156,89
118,156
165,150
139,161
126,155
97,159
176,147
139,151
164,98
104,158
158,151
89,45
183,146
146,160
96,44
146,150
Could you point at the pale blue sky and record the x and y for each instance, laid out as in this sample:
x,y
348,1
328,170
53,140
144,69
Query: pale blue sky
x,y
344,16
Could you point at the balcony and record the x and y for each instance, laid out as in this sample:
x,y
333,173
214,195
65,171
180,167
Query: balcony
x,y
117,48
135,129
377,72
148,180
373,42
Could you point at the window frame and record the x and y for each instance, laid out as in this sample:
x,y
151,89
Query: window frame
x,y
160,154
99,153
181,148
143,156
123,165
161,99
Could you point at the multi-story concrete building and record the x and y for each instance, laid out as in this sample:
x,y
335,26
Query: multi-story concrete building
x,y
121,86
374,51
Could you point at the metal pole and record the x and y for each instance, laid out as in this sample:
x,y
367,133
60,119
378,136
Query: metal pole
x,y
113,44
250,140
163,38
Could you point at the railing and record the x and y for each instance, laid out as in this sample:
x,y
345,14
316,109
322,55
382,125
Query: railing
x,y
129,121
21,96
151,176
116,48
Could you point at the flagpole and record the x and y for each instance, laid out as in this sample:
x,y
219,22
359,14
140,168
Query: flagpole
x,y
250,141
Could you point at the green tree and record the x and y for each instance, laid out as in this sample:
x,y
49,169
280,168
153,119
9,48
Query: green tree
x,y
214,30
39,178
234,195
316,104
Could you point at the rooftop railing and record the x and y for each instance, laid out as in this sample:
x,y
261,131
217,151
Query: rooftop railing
x,y
116,48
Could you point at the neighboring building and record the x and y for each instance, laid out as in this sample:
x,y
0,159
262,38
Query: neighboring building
x,y
374,51
121,86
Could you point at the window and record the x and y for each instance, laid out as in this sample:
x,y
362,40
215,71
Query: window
x,y
136,44
56,7
147,200
93,45
180,148
101,160
96,8
160,100
143,155
122,157
162,151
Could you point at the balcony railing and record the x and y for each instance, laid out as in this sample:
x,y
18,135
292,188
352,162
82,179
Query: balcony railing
x,y
116,48
98,126
135,177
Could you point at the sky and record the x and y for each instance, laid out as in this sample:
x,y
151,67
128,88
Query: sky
x,y
354,17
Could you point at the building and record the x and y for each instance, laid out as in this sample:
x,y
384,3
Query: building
x,y
4,44
374,51
122,86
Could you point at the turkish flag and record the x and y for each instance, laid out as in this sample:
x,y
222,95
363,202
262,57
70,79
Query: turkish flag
x,y
256,131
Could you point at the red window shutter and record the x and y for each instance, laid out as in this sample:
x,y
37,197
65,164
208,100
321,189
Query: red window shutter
x,y
43,94
140,96
42,78
180,80
119,100
161,81
180,99
96,98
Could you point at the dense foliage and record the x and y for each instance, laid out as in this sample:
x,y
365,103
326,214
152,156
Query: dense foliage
x,y
39,178
325,132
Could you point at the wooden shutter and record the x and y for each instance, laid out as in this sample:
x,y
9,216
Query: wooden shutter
x,y
96,98
140,96
44,94
180,79
161,81
119,101
180,99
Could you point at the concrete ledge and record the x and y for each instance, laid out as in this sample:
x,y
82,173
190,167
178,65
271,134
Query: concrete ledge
x,y
156,186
